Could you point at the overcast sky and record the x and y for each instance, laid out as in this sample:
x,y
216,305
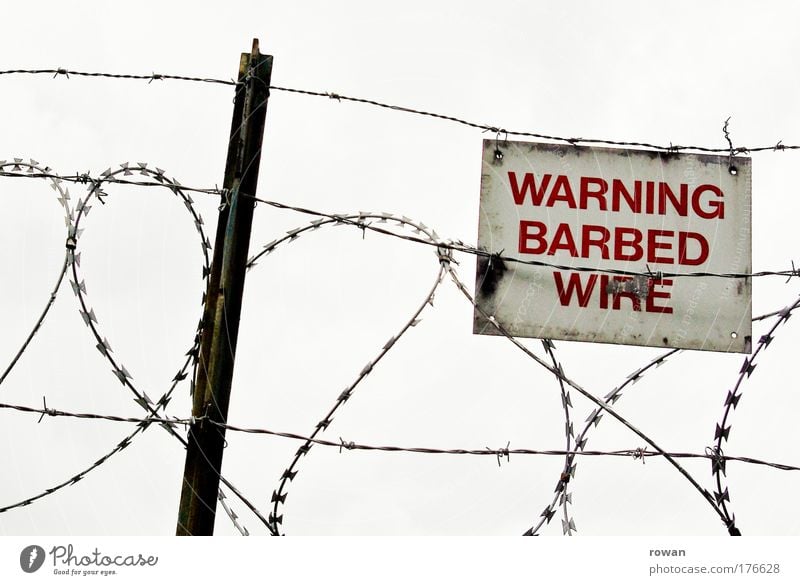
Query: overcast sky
x,y
321,307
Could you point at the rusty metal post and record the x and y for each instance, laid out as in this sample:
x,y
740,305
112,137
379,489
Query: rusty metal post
x,y
223,302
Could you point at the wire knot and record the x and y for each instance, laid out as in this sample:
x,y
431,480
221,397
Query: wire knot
x,y
502,452
793,272
225,194
46,411
717,459
346,445
656,276
61,71
732,151
445,254
639,453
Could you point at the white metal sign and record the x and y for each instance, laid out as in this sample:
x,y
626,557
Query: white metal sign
x,y
572,216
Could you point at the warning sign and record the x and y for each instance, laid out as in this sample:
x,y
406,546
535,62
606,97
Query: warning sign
x,y
601,244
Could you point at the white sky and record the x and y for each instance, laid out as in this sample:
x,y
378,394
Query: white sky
x,y
320,308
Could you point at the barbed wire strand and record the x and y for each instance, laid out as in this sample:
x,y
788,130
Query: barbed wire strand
x,y
454,245
292,234
338,97
343,446
279,495
361,221
355,220
722,432
103,345
63,199
601,404
560,495
580,444
90,318
458,246
60,71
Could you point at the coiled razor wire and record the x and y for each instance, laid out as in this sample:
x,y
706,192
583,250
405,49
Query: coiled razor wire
x,y
722,432
33,167
152,177
72,259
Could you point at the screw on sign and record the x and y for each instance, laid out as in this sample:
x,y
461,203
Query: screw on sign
x,y
583,215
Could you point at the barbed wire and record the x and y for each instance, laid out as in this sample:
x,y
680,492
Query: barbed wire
x,y
342,445
501,131
64,200
581,439
79,288
104,347
563,499
108,176
496,129
599,403
722,432
459,246
357,220
593,419
279,495
562,496
60,71
147,176
444,256
34,168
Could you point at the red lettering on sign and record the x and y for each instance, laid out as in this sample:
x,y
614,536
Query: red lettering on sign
x,y
659,197
618,190
563,240
574,285
680,203
599,192
650,303
581,287
683,244
653,245
600,241
713,208
528,184
621,242
525,236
